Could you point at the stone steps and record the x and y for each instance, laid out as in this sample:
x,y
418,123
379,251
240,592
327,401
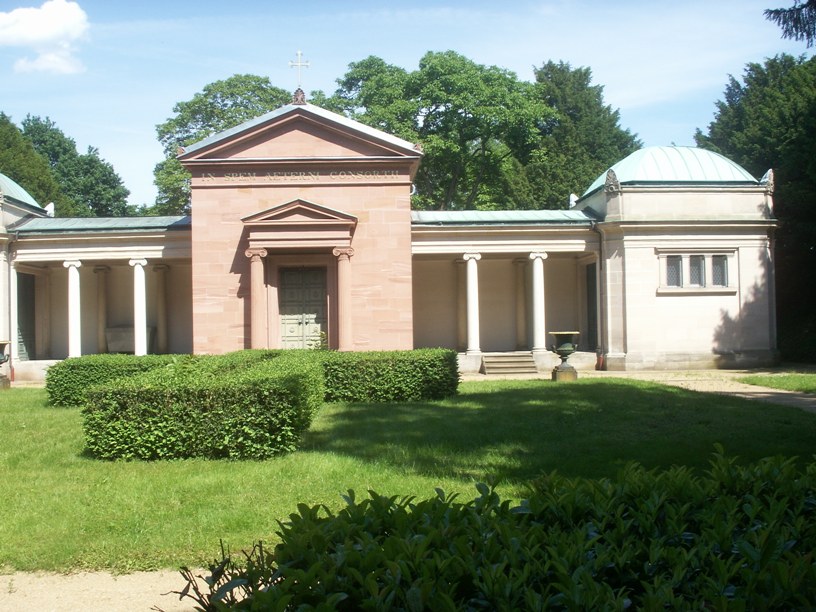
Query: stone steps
x,y
509,363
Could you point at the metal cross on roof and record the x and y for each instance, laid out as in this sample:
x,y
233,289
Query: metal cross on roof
x,y
299,64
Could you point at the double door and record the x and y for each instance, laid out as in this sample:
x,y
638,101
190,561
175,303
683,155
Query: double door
x,y
302,307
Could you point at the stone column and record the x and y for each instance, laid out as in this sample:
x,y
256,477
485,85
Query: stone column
x,y
74,309
101,308
521,303
6,270
345,337
161,307
13,330
257,301
139,307
539,317
473,340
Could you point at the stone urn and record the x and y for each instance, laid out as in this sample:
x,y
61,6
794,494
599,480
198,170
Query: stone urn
x,y
566,343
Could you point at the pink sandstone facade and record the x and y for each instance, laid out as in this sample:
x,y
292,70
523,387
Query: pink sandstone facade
x,y
300,190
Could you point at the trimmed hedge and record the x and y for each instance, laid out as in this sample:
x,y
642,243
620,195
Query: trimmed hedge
x,y
392,376
738,538
247,405
67,381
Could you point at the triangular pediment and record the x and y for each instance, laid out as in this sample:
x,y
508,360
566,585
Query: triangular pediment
x,y
300,132
300,212
300,225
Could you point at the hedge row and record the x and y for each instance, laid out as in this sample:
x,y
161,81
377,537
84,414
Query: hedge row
x,y
67,381
738,538
422,374
245,405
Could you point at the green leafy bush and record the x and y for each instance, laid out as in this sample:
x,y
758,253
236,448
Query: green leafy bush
x,y
248,405
390,376
67,381
740,537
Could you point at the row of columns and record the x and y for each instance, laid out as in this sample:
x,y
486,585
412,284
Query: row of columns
x,y
472,303
139,307
259,309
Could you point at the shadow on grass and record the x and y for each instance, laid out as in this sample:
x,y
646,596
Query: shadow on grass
x,y
516,430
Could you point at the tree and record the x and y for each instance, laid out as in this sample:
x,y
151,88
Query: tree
x,y
797,22
20,162
218,106
768,120
471,120
88,180
581,140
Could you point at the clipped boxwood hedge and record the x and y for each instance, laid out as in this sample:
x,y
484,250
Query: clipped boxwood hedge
x,y
390,376
737,538
247,405
67,381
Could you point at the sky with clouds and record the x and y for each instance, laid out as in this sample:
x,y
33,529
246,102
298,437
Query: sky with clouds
x,y
107,71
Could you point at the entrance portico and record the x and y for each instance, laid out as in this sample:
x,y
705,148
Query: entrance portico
x,y
301,189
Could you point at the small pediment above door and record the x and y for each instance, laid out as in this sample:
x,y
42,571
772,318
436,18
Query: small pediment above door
x,y
300,212
300,224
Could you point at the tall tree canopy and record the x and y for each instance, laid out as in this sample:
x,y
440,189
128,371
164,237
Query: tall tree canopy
x,y
490,141
581,140
20,162
471,120
219,106
797,22
91,183
768,120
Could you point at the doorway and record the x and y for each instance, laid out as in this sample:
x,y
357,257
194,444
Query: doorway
x,y
26,334
302,307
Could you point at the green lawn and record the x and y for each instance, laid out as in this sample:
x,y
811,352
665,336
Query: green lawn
x,y
62,510
804,383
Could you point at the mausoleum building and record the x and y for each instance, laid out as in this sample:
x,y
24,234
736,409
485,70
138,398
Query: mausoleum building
x,y
302,234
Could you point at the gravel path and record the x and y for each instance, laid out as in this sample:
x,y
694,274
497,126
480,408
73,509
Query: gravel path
x,y
144,591
92,592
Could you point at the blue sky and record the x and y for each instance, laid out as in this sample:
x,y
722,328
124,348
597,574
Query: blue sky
x,y
108,71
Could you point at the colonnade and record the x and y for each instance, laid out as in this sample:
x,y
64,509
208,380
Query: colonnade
x,y
471,310
140,335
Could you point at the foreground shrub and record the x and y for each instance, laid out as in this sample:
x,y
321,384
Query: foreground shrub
x,y
390,376
67,381
251,405
737,538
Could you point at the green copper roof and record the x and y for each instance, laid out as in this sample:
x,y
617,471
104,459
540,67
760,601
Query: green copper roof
x,y
497,217
675,165
10,189
50,225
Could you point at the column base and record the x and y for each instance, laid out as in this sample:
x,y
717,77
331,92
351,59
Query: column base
x,y
470,363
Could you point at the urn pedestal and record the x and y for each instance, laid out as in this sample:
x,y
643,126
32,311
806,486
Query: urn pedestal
x,y
565,345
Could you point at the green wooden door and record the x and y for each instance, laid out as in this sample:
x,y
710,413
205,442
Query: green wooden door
x,y
302,306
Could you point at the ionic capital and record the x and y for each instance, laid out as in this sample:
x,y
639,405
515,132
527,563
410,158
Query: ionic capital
x,y
540,255
138,262
469,256
75,263
101,269
343,253
256,253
